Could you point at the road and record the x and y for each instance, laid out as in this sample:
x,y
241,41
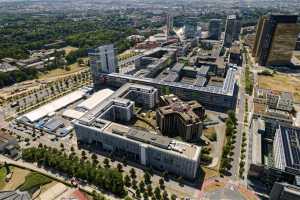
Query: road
x,y
240,126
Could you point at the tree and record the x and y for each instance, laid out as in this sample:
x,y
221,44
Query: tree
x,y
145,195
147,178
132,173
142,186
173,197
157,193
7,167
127,181
138,193
94,157
134,184
106,163
165,195
110,180
165,175
120,167
149,190
162,183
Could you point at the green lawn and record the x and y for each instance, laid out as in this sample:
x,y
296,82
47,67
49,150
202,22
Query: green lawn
x,y
3,174
34,180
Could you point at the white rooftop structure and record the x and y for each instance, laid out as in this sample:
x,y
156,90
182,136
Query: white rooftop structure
x,y
95,99
73,114
54,106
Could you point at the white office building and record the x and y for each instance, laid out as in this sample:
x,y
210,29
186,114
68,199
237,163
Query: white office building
x,y
103,60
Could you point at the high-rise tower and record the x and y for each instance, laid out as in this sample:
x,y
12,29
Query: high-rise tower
x,y
232,30
214,29
275,39
103,61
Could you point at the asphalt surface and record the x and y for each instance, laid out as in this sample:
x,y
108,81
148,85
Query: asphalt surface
x,y
240,127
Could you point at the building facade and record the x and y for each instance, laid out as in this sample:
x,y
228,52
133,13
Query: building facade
x,y
285,191
286,149
214,29
275,39
103,60
100,127
190,29
178,118
232,30
143,147
169,24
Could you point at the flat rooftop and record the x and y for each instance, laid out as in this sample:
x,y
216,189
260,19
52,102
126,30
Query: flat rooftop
x,y
291,145
92,114
179,107
150,138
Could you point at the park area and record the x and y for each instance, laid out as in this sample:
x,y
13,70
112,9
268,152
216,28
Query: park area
x,y
22,179
60,72
281,82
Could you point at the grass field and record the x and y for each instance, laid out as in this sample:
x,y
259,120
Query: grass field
x,y
17,179
210,133
3,174
34,180
209,173
61,72
281,82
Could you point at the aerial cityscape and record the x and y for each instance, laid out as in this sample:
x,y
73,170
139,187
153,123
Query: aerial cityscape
x,y
149,99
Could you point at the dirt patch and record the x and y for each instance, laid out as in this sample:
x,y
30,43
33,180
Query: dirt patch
x,y
209,173
281,82
214,186
17,179
59,72
210,133
68,49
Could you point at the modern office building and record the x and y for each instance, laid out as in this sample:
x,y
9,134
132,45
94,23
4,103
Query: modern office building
x,y
103,60
232,30
178,118
150,65
169,24
284,191
101,128
214,29
190,29
275,39
286,149
141,146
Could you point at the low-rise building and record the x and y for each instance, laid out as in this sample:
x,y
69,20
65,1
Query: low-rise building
x,y
143,147
8,144
100,127
275,99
